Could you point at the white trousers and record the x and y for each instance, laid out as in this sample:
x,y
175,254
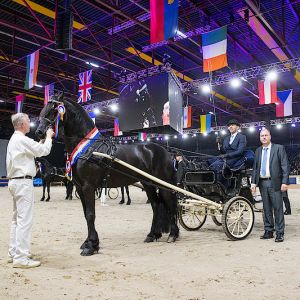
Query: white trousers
x,y
20,233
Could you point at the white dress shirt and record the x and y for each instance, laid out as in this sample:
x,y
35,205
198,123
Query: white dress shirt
x,y
21,151
232,137
268,161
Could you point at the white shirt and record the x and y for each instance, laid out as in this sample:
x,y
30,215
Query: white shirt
x,y
268,161
232,137
21,151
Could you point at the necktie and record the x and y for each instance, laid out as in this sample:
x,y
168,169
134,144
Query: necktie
x,y
264,162
231,139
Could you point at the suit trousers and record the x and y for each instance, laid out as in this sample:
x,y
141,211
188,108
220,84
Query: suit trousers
x,y
20,233
272,203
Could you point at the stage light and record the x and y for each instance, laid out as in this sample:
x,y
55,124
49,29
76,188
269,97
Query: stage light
x,y
278,126
205,88
181,34
204,133
271,75
240,130
157,138
114,107
32,124
96,111
184,136
210,112
293,125
92,64
243,78
125,142
38,85
148,139
166,137
251,129
223,132
216,133
194,134
235,82
175,136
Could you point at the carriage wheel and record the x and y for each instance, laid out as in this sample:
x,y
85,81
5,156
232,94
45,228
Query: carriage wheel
x,y
98,193
217,219
113,193
238,218
192,218
76,194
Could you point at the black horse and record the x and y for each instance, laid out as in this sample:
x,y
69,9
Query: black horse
x,y
49,174
90,172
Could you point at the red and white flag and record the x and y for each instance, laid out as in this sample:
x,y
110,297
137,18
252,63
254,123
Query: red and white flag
x,y
19,102
187,117
267,91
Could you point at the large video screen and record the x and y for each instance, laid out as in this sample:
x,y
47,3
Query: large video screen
x,y
149,103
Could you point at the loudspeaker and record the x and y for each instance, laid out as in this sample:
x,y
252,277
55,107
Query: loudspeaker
x,y
64,27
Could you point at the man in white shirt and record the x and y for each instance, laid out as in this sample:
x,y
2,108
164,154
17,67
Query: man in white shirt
x,y
21,151
271,174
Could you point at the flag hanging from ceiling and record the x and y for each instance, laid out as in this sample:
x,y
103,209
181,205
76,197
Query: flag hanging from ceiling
x,y
267,91
205,123
85,87
19,102
117,131
284,103
32,65
187,117
142,136
214,48
48,93
163,20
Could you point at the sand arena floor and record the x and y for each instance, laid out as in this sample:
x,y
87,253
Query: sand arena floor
x,y
200,265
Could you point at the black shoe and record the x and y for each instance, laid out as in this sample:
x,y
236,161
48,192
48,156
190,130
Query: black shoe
x,y
267,235
279,238
287,212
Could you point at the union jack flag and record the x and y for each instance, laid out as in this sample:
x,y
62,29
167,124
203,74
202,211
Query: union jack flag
x,y
85,87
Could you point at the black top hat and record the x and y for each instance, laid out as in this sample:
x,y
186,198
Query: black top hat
x,y
233,122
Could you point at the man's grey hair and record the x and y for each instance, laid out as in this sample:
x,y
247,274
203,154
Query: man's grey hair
x,y
266,129
18,119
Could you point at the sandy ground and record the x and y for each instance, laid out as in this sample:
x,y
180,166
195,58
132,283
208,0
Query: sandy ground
x,y
200,265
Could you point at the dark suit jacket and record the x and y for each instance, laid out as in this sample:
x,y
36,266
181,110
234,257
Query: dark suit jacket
x,y
279,166
180,171
233,152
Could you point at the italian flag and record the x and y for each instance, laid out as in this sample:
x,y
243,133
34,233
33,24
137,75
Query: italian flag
x,y
32,68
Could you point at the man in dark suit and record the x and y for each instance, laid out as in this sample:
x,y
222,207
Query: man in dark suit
x,y
234,145
180,168
271,174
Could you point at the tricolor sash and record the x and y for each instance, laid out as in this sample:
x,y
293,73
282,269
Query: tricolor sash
x,y
83,145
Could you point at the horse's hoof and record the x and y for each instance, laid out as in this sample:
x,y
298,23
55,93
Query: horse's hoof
x,y
83,245
42,199
87,252
121,202
149,239
148,201
47,200
172,238
128,203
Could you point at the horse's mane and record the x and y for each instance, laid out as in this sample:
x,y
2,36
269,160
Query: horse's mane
x,y
79,113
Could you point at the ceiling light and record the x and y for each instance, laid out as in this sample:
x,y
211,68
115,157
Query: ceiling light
x,y
205,88
184,136
223,132
278,126
251,129
166,137
175,136
92,64
38,85
114,107
205,133
293,125
272,75
32,124
96,111
235,82
148,139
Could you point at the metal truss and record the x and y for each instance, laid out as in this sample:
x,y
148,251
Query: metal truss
x,y
245,74
101,105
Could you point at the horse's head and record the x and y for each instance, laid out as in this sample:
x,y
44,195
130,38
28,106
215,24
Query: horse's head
x,y
49,115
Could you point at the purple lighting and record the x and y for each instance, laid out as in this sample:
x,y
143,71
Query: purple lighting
x,y
293,125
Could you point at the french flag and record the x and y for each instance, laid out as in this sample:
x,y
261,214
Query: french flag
x,y
267,91
284,103
163,20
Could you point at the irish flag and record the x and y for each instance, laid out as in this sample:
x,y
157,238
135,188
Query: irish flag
x,y
163,20
284,105
267,91
214,48
205,123
32,68
187,117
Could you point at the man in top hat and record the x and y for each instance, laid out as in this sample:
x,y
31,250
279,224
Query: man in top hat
x,y
234,144
180,168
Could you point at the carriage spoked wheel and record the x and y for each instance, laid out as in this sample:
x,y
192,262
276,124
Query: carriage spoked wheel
x,y
238,218
97,194
192,218
217,219
113,193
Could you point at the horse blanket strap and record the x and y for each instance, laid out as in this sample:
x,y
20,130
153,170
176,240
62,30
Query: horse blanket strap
x,y
80,149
